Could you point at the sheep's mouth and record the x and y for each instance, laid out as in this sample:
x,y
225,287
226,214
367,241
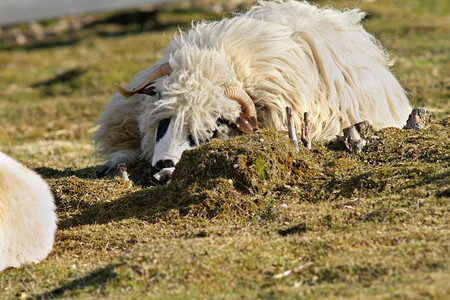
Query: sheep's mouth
x,y
163,176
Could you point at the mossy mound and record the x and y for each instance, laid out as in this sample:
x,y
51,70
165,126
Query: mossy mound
x,y
252,174
251,163
397,146
230,177
223,176
83,201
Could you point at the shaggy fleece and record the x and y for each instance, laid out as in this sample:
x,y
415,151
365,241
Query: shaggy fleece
x,y
27,215
316,60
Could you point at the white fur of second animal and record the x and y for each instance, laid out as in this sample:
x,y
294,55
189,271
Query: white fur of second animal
x,y
27,215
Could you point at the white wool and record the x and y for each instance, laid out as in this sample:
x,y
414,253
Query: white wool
x,y
282,54
27,215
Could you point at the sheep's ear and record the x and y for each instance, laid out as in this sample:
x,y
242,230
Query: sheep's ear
x,y
247,121
144,87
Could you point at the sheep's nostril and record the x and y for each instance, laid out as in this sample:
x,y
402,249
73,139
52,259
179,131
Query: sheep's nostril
x,y
162,164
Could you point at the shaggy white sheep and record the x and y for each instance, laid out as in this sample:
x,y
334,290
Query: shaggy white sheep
x,y
27,215
233,75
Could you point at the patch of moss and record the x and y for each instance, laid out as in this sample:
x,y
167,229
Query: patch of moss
x,y
260,169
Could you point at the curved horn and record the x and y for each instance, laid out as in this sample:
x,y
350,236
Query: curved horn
x,y
162,70
246,122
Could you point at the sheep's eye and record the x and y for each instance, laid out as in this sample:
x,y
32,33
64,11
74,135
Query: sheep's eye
x,y
212,134
162,128
192,143
222,121
149,90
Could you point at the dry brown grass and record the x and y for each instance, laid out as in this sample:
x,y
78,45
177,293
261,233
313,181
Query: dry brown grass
x,y
241,218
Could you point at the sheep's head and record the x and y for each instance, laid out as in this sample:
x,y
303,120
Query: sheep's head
x,y
174,135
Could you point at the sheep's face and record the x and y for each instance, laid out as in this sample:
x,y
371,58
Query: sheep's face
x,y
170,143
188,111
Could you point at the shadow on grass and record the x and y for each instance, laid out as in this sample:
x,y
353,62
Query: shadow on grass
x,y
50,42
50,173
83,199
149,205
140,173
116,25
441,181
94,280
68,80
104,200
296,229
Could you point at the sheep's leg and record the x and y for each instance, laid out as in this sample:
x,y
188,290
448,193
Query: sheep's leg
x,y
306,132
291,128
123,171
128,157
417,118
352,139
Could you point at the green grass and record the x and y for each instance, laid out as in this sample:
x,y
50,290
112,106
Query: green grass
x,y
364,226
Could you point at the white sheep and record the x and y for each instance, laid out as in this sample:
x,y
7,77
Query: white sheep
x,y
238,74
27,215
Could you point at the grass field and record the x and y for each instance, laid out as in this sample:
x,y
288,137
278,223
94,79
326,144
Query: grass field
x,y
282,225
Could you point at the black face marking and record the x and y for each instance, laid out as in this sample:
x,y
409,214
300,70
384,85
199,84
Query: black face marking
x,y
161,164
222,121
214,134
162,128
148,90
191,140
